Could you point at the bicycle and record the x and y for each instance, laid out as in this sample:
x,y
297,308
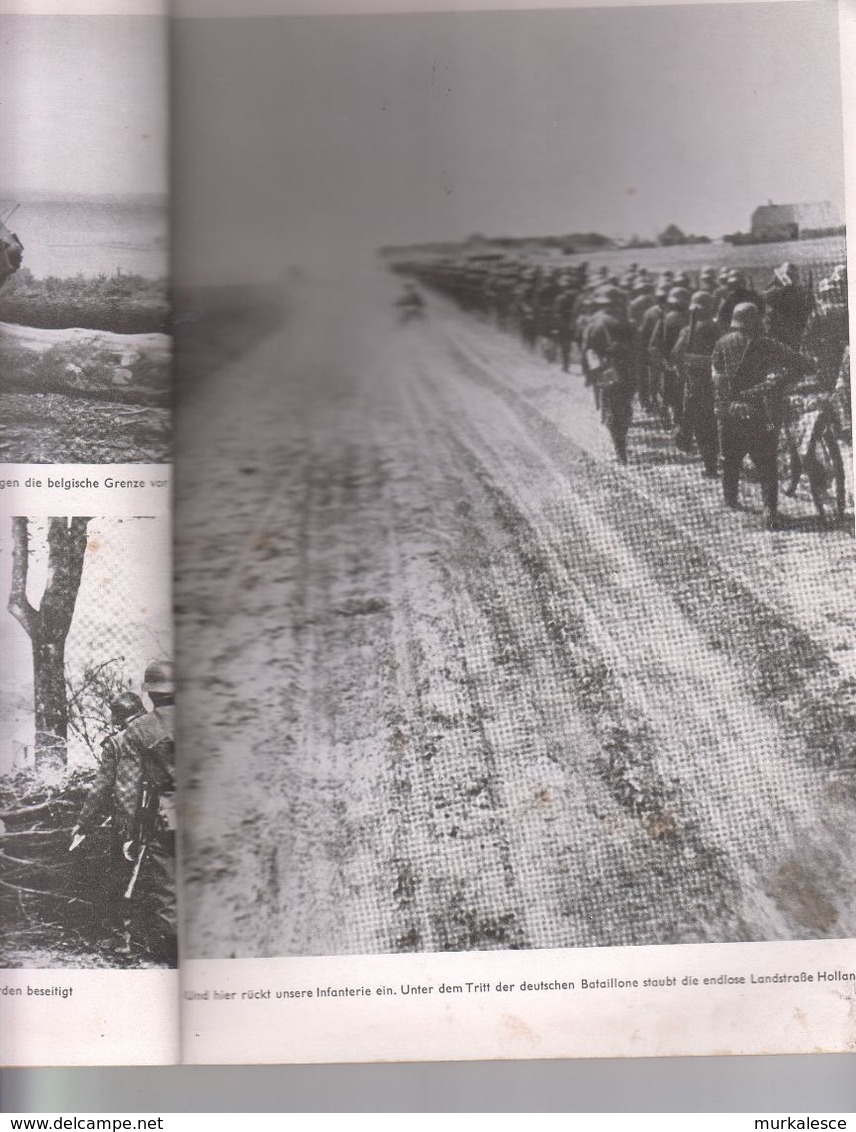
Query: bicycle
x,y
809,445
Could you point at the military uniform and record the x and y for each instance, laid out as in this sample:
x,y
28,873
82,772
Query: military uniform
x,y
691,358
673,322
788,309
825,338
734,297
749,408
609,340
650,361
136,763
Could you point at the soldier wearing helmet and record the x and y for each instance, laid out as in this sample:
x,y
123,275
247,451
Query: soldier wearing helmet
x,y
649,355
827,333
789,305
607,356
136,786
707,280
738,292
99,810
750,372
691,358
675,318
562,320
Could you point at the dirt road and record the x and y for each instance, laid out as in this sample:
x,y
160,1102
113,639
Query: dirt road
x,y
456,680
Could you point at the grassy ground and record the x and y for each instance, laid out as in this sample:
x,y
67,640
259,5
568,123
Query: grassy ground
x,y
49,428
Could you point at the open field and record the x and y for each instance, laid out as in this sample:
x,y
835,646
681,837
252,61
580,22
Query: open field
x,y
458,681
815,257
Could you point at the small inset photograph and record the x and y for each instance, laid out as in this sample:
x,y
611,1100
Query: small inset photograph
x,y
87,827
85,358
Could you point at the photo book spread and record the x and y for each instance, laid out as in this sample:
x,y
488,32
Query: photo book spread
x,y
427,560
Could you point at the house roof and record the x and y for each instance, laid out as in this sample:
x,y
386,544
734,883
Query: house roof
x,y
818,214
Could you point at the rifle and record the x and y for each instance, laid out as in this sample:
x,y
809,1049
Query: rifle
x,y
147,813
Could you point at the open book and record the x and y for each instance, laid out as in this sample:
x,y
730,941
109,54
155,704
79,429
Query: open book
x,y
504,701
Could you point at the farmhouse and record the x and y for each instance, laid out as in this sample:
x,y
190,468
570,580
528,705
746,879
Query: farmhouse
x,y
795,221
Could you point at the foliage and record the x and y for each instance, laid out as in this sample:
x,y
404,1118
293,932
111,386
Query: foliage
x,y
89,367
124,304
55,905
90,695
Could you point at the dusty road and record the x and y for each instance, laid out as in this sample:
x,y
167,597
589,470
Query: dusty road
x,y
455,680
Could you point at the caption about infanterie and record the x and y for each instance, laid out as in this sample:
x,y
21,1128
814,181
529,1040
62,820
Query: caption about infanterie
x,y
485,987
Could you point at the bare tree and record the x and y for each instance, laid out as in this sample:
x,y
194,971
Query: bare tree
x,y
48,626
89,697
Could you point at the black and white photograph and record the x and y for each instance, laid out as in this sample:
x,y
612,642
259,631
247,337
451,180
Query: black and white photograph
x,y
514,513
85,358
87,790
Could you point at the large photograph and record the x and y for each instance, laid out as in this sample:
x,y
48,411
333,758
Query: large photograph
x,y
87,764
84,307
515,515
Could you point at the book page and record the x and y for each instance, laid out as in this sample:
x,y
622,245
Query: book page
x,y
516,620
87,892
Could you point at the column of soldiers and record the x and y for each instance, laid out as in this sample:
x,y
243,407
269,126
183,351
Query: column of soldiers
x,y
133,795
709,356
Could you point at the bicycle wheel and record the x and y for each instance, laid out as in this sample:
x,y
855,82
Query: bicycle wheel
x,y
788,463
826,475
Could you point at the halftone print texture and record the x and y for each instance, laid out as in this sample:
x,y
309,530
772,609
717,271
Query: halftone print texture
x,y
458,680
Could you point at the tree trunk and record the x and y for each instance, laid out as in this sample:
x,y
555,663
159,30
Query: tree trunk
x,y
49,703
48,627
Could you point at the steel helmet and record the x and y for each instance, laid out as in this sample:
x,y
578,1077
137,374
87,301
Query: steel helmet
x,y
679,297
158,677
125,707
608,296
745,316
702,301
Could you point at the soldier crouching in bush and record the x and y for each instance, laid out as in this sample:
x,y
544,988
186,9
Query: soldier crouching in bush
x,y
135,787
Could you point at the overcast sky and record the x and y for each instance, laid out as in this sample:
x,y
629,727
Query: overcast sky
x,y
83,104
307,136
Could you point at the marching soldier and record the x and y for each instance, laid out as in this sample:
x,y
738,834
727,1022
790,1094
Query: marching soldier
x,y
749,389
691,358
650,353
828,332
563,322
607,347
738,292
674,320
788,306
